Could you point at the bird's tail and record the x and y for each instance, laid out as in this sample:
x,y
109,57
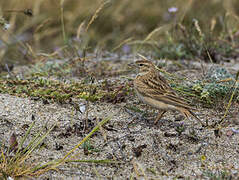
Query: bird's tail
x,y
187,113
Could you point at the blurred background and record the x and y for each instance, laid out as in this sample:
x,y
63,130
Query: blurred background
x,y
167,28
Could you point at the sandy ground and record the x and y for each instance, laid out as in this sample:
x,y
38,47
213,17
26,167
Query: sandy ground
x,y
145,150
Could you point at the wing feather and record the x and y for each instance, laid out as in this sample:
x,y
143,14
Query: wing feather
x,y
158,88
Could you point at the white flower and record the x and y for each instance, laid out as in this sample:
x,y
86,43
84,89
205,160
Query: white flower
x,y
6,26
172,9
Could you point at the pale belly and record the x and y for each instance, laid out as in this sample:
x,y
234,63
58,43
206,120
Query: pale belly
x,y
154,103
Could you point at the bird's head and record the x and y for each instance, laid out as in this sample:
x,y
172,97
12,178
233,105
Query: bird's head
x,y
144,66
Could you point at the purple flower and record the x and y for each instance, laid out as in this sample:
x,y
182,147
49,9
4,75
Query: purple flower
x,y
172,10
126,49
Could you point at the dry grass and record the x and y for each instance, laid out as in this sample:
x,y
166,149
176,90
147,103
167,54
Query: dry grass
x,y
116,20
22,163
196,29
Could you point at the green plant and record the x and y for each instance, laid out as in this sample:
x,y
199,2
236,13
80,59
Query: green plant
x,y
22,163
19,164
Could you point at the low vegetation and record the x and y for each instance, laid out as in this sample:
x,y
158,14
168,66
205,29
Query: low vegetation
x,y
63,50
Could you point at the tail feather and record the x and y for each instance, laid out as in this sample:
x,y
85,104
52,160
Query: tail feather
x,y
187,113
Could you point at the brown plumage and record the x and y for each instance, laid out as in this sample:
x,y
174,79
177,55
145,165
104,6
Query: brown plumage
x,y
154,90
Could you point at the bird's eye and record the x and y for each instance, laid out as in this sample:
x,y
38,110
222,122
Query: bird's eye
x,y
140,64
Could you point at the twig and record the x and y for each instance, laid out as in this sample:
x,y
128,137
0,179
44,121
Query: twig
x,y
235,86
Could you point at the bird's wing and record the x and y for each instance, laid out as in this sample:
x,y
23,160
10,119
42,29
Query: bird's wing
x,y
158,89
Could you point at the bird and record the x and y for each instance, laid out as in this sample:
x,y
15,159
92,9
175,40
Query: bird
x,y
154,90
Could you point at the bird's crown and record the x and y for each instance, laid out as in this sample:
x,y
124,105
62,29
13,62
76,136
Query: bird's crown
x,y
144,65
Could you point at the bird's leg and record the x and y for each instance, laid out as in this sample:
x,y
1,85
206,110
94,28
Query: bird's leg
x,y
160,115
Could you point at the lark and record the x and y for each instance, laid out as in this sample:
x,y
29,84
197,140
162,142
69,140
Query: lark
x,y
154,90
